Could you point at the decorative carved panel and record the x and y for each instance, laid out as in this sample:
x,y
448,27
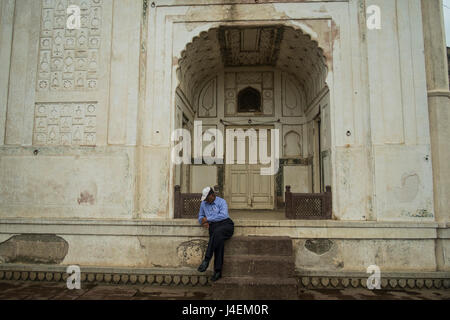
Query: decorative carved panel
x,y
292,141
291,98
207,100
69,58
65,124
249,46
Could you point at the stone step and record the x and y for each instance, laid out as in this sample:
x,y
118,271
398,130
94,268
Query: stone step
x,y
250,288
259,245
258,266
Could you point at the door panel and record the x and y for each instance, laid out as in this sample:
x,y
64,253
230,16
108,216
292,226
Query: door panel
x,y
245,187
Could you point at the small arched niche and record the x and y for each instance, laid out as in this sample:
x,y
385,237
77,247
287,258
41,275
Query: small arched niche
x,y
249,100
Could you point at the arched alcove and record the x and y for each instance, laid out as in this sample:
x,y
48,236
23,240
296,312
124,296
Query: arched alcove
x,y
271,77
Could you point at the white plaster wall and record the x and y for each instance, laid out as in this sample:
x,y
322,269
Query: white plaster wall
x,y
380,100
6,31
298,177
203,176
61,183
351,255
399,114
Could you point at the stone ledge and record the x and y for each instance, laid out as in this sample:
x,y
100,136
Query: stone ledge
x,y
241,222
296,229
190,277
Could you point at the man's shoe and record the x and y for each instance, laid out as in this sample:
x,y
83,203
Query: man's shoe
x,y
203,266
216,276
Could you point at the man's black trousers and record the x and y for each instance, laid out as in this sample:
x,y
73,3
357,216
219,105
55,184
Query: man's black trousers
x,y
218,233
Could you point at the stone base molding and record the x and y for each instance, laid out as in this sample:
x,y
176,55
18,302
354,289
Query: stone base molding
x,y
388,281
190,277
123,276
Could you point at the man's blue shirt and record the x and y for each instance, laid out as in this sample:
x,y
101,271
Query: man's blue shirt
x,y
216,211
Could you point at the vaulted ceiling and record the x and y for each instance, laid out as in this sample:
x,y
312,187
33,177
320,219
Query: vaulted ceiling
x,y
279,46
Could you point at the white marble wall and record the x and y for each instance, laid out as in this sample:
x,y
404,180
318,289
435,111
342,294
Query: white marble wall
x,y
378,117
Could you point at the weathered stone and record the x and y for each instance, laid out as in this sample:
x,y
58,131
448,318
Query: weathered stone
x,y
437,283
305,281
124,278
176,280
393,283
345,282
334,282
150,279
34,248
419,283
315,282
318,246
107,278
41,276
57,276
116,278
91,277
185,280
142,278
167,279
191,252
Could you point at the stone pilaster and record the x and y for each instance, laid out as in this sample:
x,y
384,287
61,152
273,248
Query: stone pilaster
x,y
438,103
439,114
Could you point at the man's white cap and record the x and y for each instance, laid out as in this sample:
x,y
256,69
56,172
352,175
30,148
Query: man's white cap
x,y
205,193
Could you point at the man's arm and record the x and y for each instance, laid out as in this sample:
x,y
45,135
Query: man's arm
x,y
201,214
223,209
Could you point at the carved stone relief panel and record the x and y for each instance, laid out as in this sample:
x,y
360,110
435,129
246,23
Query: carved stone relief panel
x,y
292,141
230,93
65,124
207,100
237,81
291,98
69,58
325,134
267,94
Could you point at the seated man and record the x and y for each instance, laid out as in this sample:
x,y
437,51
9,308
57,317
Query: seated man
x,y
214,216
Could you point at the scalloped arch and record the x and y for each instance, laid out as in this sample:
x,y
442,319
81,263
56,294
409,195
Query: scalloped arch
x,y
298,54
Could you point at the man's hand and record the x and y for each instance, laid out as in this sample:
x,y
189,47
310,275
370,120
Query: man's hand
x,y
205,223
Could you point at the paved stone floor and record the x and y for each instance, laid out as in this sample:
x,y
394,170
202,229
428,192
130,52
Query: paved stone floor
x,y
26,290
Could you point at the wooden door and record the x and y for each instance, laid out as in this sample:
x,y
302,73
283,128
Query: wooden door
x,y
245,187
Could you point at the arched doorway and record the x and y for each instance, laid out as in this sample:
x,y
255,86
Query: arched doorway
x,y
256,77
